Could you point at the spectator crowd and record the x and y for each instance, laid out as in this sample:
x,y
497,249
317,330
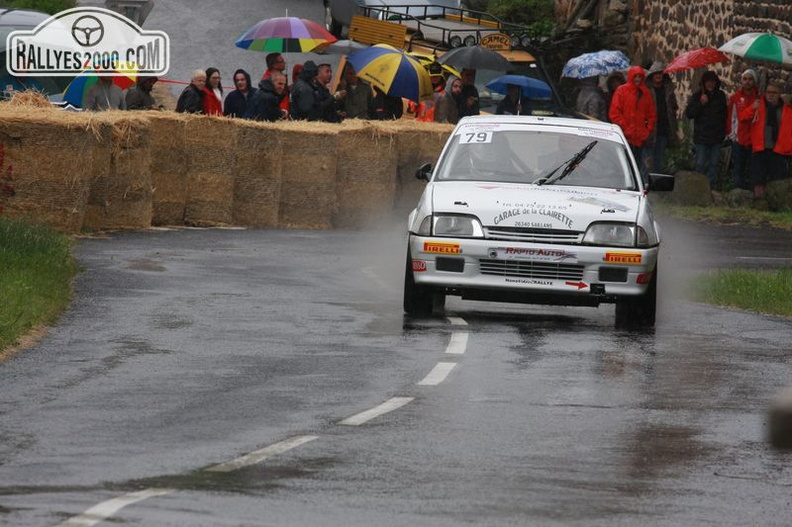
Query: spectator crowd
x,y
757,125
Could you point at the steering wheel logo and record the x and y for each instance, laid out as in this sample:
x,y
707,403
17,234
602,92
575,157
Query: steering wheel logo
x,y
88,30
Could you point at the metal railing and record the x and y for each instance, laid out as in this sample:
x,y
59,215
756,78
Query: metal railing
x,y
425,17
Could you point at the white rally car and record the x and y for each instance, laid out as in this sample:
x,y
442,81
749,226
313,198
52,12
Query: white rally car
x,y
538,210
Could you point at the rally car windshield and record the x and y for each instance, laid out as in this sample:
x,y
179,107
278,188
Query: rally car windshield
x,y
529,156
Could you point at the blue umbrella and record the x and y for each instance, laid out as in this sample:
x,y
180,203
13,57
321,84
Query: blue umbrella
x,y
530,87
602,62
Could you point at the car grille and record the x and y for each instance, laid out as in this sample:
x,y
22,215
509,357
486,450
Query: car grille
x,y
533,235
524,269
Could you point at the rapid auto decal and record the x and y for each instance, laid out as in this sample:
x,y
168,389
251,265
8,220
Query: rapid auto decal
x,y
441,248
546,255
623,258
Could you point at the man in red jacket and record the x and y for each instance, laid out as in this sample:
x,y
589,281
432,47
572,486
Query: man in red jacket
x,y
633,109
740,131
771,137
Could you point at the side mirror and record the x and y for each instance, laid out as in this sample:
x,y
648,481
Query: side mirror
x,y
425,172
662,182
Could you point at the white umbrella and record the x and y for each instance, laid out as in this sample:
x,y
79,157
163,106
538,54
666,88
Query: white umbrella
x,y
760,46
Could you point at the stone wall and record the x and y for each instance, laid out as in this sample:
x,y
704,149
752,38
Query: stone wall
x,y
650,30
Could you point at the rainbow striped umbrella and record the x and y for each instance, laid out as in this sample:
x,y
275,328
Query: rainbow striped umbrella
x,y
393,71
285,34
75,92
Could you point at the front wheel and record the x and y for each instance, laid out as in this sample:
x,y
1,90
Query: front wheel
x,y
639,311
419,300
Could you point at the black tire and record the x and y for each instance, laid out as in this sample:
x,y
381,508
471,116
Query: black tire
x,y
639,311
418,299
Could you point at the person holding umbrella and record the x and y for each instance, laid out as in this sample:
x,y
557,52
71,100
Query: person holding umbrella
x,y
511,104
104,95
771,137
708,109
591,99
740,131
469,98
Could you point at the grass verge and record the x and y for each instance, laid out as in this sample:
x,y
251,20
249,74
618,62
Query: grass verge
x,y
728,215
35,282
763,291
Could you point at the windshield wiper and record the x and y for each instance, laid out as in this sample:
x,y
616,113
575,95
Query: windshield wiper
x,y
571,164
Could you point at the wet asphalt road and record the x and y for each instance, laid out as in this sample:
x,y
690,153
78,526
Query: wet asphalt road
x,y
189,349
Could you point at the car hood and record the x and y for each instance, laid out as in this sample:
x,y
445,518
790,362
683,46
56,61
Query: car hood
x,y
534,206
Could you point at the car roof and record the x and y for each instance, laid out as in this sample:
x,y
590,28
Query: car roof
x,y
539,119
21,17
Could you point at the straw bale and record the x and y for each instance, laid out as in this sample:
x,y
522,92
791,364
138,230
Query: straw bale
x,y
30,98
168,167
210,146
257,182
307,198
417,144
121,198
366,174
50,171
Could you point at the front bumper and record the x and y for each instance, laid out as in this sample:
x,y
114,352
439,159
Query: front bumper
x,y
531,272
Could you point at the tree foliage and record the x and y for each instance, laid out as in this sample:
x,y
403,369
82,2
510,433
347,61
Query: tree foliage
x,y
47,6
536,14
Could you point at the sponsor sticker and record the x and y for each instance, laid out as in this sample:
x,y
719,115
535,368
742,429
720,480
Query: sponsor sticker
x,y
534,254
418,266
626,258
473,137
441,248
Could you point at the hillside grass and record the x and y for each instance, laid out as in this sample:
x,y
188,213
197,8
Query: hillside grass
x,y
35,283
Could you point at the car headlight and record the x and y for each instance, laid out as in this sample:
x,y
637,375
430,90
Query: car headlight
x,y
616,234
457,226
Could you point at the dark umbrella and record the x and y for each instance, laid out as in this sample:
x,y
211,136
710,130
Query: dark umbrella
x,y
475,57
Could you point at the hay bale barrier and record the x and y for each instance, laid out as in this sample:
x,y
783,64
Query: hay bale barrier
x,y
210,147
417,143
121,198
167,137
257,181
130,170
49,164
308,175
366,174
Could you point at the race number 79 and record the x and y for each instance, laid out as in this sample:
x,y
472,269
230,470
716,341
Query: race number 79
x,y
467,138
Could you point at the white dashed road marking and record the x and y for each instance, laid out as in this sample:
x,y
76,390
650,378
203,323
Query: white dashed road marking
x,y
388,406
101,512
260,455
438,374
457,344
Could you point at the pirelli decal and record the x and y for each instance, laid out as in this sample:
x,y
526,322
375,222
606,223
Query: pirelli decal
x,y
625,258
441,248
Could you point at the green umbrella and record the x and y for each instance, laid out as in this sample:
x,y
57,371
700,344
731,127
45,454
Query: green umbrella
x,y
760,46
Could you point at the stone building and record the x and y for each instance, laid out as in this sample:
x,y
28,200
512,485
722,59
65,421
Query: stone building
x,y
650,30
